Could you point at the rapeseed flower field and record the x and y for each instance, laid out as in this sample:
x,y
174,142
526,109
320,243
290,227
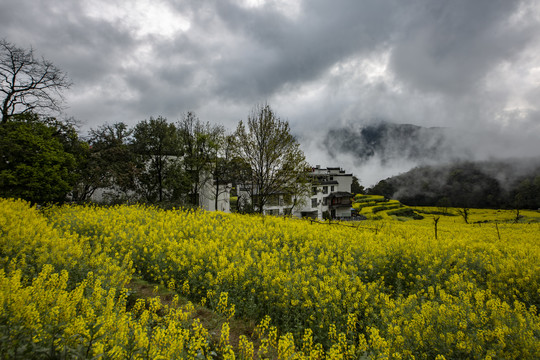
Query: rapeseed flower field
x,y
378,289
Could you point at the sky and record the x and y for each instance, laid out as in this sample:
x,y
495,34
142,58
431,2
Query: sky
x,y
470,66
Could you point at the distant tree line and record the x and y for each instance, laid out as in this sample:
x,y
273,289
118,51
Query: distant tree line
x,y
154,162
44,160
495,184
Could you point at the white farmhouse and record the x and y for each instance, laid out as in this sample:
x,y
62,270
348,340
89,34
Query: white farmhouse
x,y
207,196
330,196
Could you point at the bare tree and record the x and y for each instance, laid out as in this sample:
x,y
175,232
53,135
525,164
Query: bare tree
x,y
464,213
435,222
27,83
273,154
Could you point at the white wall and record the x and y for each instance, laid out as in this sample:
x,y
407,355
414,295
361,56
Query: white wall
x,y
207,197
343,185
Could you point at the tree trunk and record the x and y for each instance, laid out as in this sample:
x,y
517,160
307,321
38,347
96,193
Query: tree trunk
x,y
217,196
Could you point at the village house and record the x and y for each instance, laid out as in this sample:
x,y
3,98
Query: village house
x,y
206,196
330,197
330,194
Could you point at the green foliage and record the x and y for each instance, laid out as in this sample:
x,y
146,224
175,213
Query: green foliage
x,y
526,194
369,198
155,142
376,204
109,162
384,188
377,209
200,145
438,212
356,188
469,187
34,164
468,184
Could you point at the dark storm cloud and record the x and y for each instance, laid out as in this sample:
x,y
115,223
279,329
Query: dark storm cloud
x,y
450,46
471,66
281,51
88,48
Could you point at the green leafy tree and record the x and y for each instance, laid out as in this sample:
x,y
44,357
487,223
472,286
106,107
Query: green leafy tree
x,y
526,195
273,155
200,149
384,188
469,187
109,163
34,164
356,188
155,143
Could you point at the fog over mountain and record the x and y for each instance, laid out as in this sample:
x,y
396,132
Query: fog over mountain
x,y
496,183
379,149
388,142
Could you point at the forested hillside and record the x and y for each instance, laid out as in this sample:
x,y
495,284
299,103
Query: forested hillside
x,y
502,184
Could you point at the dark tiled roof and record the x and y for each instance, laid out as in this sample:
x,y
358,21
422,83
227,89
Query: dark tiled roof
x,y
330,182
340,194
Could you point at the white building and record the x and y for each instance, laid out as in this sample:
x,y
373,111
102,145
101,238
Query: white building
x,y
207,196
207,192
330,194
330,197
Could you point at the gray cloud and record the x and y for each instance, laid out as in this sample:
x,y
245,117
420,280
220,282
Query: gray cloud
x,y
468,66
451,46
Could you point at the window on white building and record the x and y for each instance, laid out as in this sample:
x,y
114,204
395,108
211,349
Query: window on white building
x,y
313,203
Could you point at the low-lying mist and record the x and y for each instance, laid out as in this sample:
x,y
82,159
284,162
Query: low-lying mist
x,y
378,150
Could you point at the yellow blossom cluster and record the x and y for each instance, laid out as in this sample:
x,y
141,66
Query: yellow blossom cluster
x,y
62,296
379,290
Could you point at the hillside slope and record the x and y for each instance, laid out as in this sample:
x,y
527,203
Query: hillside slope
x,y
498,183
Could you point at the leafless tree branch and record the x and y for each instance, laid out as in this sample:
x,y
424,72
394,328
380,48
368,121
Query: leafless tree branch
x,y
28,83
